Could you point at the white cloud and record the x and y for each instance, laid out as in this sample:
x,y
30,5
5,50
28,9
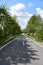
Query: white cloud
x,y
30,4
18,7
22,15
40,12
23,22
17,10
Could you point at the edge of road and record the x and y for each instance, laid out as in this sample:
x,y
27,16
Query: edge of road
x,y
25,36
8,42
38,43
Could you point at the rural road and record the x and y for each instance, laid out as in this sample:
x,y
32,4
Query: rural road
x,y
21,51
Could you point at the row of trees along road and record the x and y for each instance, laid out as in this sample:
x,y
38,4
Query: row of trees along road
x,y
8,24
34,27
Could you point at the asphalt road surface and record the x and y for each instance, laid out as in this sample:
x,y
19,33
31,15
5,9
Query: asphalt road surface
x,y
21,51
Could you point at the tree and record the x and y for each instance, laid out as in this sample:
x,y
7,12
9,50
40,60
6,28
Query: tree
x,y
39,33
9,23
33,24
3,16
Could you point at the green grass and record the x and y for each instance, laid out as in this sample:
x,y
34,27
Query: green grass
x,y
35,38
4,40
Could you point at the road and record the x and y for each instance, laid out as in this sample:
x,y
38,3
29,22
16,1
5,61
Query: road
x,y
21,51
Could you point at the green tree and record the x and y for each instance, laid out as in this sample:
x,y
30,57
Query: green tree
x,y
3,15
8,25
39,33
33,24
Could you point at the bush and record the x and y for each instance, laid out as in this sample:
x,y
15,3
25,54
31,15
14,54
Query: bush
x,y
39,35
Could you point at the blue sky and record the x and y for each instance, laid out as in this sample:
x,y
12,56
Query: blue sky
x,y
24,9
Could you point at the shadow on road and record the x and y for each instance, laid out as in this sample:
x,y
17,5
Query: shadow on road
x,y
16,53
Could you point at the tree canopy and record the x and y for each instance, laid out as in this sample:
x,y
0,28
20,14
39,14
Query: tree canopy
x,y
35,27
8,24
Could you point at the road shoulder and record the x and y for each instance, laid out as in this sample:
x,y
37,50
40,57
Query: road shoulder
x,y
37,43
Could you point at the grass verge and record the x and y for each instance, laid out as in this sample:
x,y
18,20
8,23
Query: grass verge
x,y
4,40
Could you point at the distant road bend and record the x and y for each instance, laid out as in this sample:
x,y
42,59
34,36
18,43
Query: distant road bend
x,y
21,51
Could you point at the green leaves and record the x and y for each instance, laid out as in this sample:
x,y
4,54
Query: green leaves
x,y
39,35
9,24
35,27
